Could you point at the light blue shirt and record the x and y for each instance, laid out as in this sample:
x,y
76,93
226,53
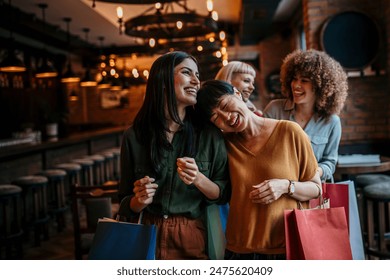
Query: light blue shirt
x,y
325,135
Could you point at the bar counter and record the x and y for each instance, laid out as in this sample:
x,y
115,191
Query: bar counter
x,y
31,158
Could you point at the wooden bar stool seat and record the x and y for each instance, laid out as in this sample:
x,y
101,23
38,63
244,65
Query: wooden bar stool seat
x,y
377,197
35,212
56,195
86,170
11,230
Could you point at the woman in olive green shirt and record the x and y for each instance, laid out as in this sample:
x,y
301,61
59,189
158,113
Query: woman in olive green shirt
x,y
171,169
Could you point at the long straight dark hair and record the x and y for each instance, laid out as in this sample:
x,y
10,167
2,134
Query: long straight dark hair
x,y
150,124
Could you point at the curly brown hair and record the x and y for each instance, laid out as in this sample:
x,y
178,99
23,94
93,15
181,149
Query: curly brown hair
x,y
330,82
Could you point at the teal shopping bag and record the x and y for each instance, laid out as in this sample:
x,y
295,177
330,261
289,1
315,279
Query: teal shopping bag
x,y
116,240
216,224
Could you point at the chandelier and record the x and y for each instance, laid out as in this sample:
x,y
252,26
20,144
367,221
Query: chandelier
x,y
162,22
131,1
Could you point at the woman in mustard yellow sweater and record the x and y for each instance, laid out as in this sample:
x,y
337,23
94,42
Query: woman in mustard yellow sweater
x,y
272,167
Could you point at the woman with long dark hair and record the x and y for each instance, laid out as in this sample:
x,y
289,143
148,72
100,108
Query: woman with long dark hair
x,y
172,169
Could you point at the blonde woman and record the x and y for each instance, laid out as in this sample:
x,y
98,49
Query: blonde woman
x,y
242,76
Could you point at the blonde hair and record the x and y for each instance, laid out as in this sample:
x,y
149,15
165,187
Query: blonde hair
x,y
227,71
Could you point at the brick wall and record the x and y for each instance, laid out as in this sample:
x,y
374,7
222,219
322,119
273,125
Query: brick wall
x,y
366,115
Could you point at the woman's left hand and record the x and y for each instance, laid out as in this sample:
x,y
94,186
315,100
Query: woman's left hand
x,y
267,191
187,170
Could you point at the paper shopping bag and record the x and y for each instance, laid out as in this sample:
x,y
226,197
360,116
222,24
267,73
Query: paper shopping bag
x,y
317,234
343,194
337,194
216,240
116,240
355,231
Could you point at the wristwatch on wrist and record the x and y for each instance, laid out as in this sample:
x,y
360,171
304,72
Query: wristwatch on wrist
x,y
291,188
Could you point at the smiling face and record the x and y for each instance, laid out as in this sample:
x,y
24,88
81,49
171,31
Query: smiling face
x,y
302,90
245,83
230,114
186,79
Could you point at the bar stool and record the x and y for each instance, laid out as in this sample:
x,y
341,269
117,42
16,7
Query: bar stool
x,y
11,231
377,197
73,172
362,181
86,170
35,206
108,165
56,195
98,168
117,154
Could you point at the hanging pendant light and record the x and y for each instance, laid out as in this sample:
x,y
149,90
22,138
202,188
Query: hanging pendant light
x,y
46,69
104,83
88,80
69,76
11,63
73,96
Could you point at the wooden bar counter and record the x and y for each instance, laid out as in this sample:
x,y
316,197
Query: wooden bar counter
x,y
29,159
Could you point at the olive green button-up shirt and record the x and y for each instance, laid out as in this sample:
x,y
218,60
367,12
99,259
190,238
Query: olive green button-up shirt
x,y
173,196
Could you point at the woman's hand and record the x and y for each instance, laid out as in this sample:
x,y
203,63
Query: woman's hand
x,y
187,169
268,191
144,190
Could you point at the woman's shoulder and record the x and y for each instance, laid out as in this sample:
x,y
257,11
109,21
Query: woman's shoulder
x,y
278,109
334,118
210,130
129,132
275,104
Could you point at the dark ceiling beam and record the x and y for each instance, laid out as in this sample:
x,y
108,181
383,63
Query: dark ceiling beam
x,y
28,25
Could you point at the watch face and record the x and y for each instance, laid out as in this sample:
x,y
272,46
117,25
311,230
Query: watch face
x,y
291,188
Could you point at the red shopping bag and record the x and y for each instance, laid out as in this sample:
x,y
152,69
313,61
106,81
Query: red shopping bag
x,y
317,234
337,194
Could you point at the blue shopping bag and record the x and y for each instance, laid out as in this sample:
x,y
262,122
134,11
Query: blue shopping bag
x,y
115,240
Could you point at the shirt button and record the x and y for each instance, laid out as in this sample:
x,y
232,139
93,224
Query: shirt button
x,y
165,217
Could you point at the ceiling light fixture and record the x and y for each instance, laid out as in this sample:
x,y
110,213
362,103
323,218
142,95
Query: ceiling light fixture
x,y
11,63
69,76
162,22
139,2
88,80
46,69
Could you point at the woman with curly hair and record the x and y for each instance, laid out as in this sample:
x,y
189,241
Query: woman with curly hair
x,y
316,87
